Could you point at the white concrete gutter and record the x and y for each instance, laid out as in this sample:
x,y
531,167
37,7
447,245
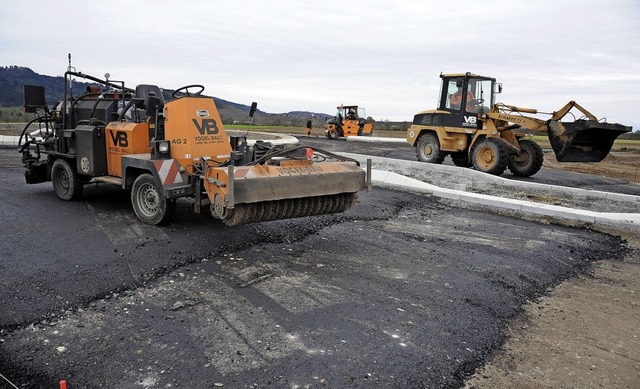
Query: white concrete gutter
x,y
621,220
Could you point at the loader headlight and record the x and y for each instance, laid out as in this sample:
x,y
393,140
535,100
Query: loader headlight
x,y
161,149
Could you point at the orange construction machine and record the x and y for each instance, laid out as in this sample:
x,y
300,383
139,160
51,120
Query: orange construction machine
x,y
349,120
166,150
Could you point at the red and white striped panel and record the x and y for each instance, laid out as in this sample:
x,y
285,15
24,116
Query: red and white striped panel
x,y
169,171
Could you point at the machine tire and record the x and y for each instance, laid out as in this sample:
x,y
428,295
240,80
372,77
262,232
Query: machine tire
x,y
491,156
428,149
218,209
65,180
461,159
149,201
529,161
331,131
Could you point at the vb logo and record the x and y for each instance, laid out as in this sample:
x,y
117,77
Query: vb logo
x,y
119,139
470,119
208,126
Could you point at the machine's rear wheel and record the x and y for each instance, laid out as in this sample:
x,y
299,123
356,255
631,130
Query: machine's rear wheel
x,y
491,156
428,149
460,159
66,182
149,201
331,132
529,161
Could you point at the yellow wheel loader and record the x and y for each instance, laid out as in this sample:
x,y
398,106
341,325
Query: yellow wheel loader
x,y
163,151
475,131
349,120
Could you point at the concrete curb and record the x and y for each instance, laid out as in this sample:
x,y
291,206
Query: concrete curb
x,y
9,141
389,172
280,139
622,220
407,167
372,139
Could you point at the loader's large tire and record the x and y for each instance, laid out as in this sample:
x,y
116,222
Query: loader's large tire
x,y
149,201
331,132
65,180
461,159
529,161
428,149
491,156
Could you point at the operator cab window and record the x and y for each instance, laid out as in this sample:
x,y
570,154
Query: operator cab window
x,y
482,91
451,89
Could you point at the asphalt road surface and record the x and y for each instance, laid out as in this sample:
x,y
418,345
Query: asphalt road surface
x,y
398,292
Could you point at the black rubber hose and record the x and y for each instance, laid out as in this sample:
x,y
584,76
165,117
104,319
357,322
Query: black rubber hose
x,y
46,119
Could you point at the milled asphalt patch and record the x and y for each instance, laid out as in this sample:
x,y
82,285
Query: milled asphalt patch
x,y
389,171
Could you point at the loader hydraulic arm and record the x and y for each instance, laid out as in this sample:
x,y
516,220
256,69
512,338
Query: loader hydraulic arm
x,y
503,114
558,115
585,139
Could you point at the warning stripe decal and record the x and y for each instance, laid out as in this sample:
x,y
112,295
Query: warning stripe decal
x,y
169,171
240,172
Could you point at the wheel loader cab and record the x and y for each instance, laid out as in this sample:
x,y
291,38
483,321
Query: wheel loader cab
x,y
466,97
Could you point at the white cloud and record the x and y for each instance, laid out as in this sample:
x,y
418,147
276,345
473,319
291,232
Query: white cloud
x,y
383,55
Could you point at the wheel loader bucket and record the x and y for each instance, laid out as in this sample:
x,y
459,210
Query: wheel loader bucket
x,y
583,140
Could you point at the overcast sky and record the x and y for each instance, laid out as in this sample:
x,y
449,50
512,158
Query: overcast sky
x,y
383,55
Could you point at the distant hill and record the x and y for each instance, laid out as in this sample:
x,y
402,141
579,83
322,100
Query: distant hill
x,y
13,79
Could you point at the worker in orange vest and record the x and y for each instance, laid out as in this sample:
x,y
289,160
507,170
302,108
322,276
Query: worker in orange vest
x,y
456,100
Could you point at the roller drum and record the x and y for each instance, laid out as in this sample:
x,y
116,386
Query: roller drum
x,y
289,208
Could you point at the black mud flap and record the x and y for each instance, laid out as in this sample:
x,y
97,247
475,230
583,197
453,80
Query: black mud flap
x,y
583,140
37,172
